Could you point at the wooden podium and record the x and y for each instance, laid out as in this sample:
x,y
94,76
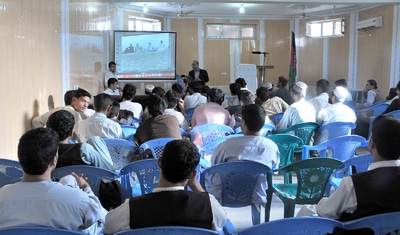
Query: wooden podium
x,y
260,70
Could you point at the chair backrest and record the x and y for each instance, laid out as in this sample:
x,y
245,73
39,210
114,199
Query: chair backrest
x,y
183,133
286,145
129,132
335,129
395,113
189,114
238,179
35,230
210,132
156,146
359,163
146,172
94,174
10,172
275,118
376,109
342,148
388,223
304,131
173,230
121,151
208,149
265,130
136,122
312,177
305,225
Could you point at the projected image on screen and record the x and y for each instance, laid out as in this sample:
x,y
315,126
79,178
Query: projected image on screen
x,y
145,55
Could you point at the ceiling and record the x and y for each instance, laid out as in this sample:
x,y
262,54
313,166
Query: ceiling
x,y
256,9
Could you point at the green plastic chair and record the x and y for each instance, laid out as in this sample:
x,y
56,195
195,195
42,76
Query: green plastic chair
x,y
304,131
312,178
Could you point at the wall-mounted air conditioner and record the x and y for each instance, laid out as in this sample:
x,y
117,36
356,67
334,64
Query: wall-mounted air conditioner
x,y
375,22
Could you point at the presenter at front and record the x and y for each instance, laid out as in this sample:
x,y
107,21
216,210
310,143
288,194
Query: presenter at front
x,y
198,74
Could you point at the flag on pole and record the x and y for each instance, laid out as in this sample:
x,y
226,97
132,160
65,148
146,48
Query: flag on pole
x,y
293,62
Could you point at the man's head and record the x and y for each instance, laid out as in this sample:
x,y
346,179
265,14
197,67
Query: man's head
x,y
341,82
253,118
114,111
234,88
62,122
298,91
322,86
195,87
262,93
112,83
282,82
242,82
158,91
80,100
339,94
178,88
172,98
128,92
179,160
385,137
156,105
68,97
195,65
246,97
112,66
37,149
371,84
103,103
216,95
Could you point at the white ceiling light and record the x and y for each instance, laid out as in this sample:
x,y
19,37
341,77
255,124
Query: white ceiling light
x,y
241,10
145,9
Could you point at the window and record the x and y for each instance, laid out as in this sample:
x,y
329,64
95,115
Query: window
x,y
325,28
144,24
232,31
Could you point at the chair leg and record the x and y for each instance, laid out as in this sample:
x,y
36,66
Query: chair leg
x,y
270,192
255,214
289,207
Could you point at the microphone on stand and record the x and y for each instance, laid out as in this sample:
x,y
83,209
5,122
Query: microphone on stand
x,y
259,52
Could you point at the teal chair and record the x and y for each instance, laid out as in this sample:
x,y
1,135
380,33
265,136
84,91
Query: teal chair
x,y
304,131
312,178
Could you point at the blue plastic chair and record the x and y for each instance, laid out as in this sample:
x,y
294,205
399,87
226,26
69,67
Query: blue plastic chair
x,y
342,148
121,151
395,113
210,132
94,174
294,226
189,114
275,118
207,150
238,180
387,223
146,174
265,130
10,172
156,146
129,132
353,165
173,230
136,123
374,110
36,230
334,129
184,134
312,178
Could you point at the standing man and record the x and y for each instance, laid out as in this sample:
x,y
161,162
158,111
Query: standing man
x,y
198,74
112,73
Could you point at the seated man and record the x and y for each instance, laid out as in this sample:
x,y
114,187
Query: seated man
x,y
158,125
94,152
38,201
99,124
245,97
372,192
322,99
251,147
128,93
113,89
171,204
213,112
173,99
77,106
271,104
195,98
298,112
122,117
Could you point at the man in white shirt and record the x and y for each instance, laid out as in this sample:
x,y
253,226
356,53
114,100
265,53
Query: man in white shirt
x,y
195,98
171,204
113,89
128,93
39,201
173,99
322,99
372,192
99,124
112,73
298,112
